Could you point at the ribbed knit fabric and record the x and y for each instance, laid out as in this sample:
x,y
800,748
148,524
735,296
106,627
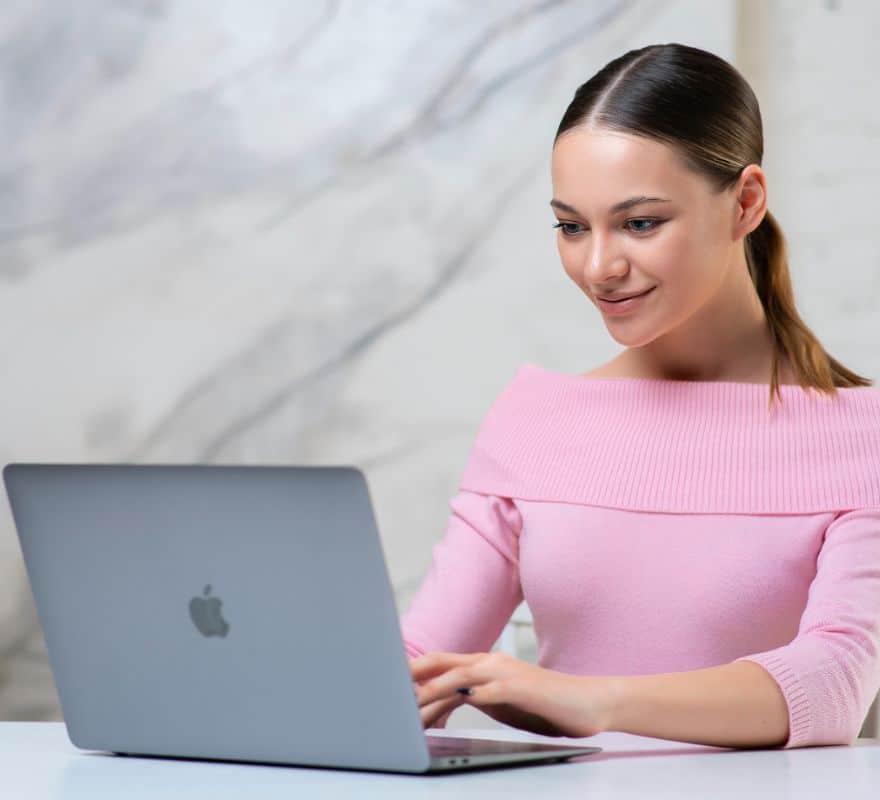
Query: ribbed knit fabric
x,y
663,526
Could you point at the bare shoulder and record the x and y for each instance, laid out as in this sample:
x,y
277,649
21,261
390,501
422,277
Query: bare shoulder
x,y
619,368
599,372
612,369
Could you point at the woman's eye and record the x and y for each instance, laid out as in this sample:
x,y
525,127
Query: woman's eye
x,y
653,223
563,225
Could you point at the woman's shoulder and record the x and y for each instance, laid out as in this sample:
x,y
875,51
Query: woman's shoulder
x,y
612,369
605,371
620,367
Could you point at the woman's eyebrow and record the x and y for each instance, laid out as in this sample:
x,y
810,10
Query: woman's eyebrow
x,y
617,207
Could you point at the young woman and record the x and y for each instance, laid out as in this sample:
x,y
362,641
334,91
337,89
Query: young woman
x,y
702,563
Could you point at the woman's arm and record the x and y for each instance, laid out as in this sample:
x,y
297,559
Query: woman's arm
x,y
733,705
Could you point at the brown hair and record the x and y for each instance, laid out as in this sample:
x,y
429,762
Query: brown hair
x,y
701,106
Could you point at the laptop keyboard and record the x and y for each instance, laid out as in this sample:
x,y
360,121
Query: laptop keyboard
x,y
461,746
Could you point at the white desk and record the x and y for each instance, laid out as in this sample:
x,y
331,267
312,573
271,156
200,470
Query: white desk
x,y
37,761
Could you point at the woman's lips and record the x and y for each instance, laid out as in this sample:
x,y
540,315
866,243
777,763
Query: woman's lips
x,y
623,306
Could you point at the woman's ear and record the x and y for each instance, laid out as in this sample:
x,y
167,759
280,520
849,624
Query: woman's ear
x,y
751,199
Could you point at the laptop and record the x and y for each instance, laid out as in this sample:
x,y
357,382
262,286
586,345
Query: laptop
x,y
237,613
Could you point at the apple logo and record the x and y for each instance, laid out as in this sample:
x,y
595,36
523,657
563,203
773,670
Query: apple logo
x,y
205,613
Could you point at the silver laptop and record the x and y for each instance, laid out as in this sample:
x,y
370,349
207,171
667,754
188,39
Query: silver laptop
x,y
240,613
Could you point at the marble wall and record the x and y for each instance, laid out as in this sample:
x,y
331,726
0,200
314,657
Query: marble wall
x,y
278,232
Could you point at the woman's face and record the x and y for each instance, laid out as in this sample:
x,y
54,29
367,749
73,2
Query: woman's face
x,y
682,244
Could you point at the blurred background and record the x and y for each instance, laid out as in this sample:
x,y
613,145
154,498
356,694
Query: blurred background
x,y
319,233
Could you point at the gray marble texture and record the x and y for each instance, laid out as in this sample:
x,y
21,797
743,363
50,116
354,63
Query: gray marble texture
x,y
275,232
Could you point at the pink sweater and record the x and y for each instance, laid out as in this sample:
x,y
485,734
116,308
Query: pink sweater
x,y
663,526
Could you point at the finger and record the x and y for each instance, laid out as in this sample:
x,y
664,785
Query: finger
x,y
450,682
432,712
432,664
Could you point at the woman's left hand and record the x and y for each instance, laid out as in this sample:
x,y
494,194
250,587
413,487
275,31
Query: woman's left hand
x,y
511,691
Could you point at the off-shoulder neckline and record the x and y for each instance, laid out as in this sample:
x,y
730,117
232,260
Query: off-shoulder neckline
x,y
605,380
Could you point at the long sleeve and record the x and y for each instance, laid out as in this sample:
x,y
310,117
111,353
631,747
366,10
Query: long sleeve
x,y
830,672
472,586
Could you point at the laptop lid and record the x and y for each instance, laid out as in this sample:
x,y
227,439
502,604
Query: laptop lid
x,y
311,666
